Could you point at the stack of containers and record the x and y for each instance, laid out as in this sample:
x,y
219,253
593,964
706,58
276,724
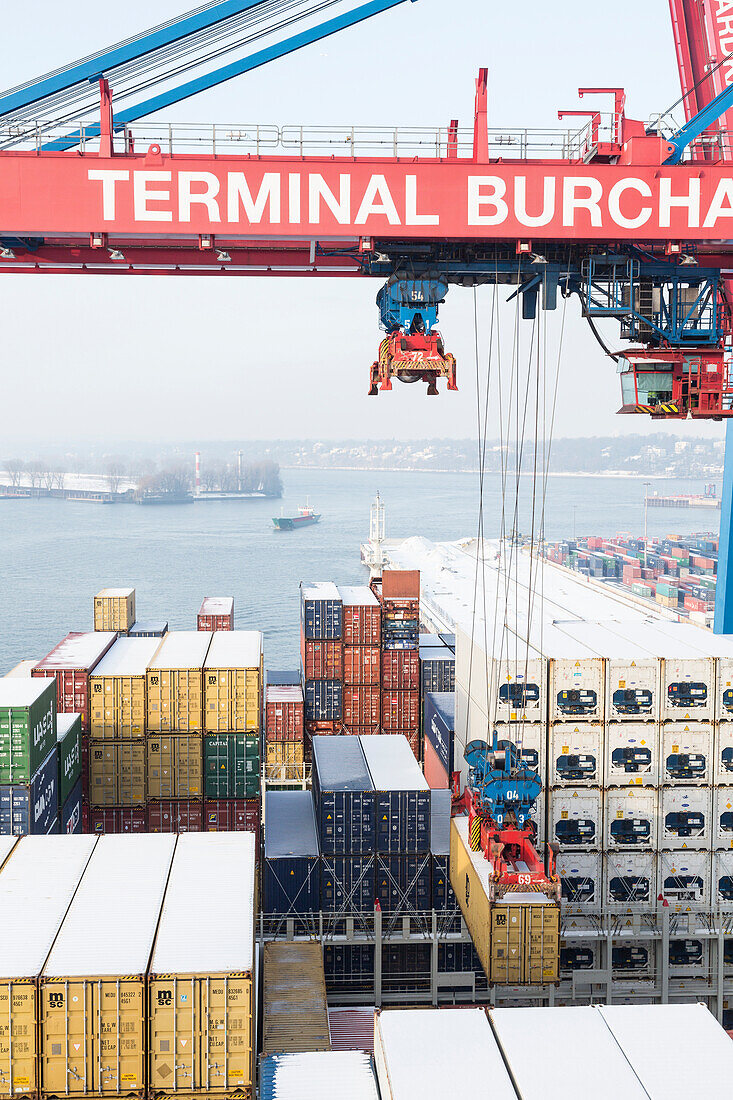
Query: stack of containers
x,y
723,780
216,613
400,599
68,741
29,779
321,653
117,748
233,673
114,609
291,880
284,731
362,632
175,728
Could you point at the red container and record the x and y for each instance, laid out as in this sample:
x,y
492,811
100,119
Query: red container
x,y
216,613
362,624
361,664
401,584
435,773
236,815
318,729
284,713
71,662
400,711
118,819
359,731
361,706
401,609
181,816
322,660
401,670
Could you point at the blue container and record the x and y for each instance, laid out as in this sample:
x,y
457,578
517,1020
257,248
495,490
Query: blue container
x,y
444,900
150,628
323,700
276,678
291,877
402,795
344,799
33,807
403,883
321,612
70,816
348,966
439,711
347,884
437,670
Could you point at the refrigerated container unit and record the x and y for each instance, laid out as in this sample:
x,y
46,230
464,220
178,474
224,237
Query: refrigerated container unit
x,y
118,819
686,815
687,753
576,816
362,616
689,958
178,816
175,683
344,797
321,612
114,609
33,806
581,881
231,765
439,723
93,985
148,628
71,812
362,665
406,968
174,766
684,878
27,728
118,690
284,712
630,880
233,682
437,669
576,755
722,884
323,700
291,873
576,688
630,815
509,682
688,689
216,613
632,754
68,741
722,817
402,795
349,967
117,773
202,1029
338,1073
400,670
294,1009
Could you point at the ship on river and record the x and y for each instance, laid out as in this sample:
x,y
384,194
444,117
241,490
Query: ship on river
x,y
304,518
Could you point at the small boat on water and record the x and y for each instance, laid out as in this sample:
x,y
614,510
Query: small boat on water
x,y
305,517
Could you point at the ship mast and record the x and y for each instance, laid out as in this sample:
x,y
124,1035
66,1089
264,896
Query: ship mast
x,y
377,559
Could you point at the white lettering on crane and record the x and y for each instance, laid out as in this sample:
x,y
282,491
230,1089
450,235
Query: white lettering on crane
x,y
690,201
411,215
294,198
572,201
340,207
238,192
187,197
377,188
614,203
108,177
143,194
520,202
477,198
722,204
725,36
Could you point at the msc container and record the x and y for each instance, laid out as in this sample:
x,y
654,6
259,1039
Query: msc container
x,y
347,884
581,881
284,761
294,1013
400,710
284,713
361,706
630,880
148,628
70,813
686,817
688,689
630,817
117,773
402,795
575,818
175,766
27,728
362,664
71,662
437,669
723,744
233,681
722,884
176,683
216,613
231,765
291,877
338,1073
632,754
439,723
323,700
321,612
576,755
118,819
401,670
118,690
321,660
344,798
687,753
180,816
723,817
68,740
114,609
92,988
403,883
202,1028
36,888
362,616
32,807
684,878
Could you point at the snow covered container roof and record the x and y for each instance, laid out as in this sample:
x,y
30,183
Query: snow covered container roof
x,y
284,693
115,593
207,921
320,590
110,927
217,605
183,649
128,657
64,722
235,649
322,1075
79,652
21,691
7,843
290,825
36,888
23,668
392,764
357,596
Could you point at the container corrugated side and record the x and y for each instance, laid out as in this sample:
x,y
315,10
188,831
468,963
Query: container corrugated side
x,y
114,609
402,795
175,683
118,689
175,766
295,1016
344,797
71,663
291,873
68,739
318,1075
233,682
32,807
117,771
27,728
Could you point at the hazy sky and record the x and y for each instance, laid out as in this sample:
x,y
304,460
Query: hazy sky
x,y
134,357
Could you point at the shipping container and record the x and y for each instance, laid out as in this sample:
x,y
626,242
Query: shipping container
x,y
724,688
21,670
71,662
439,726
148,628
630,815
581,881
70,813
361,706
344,798
723,742
401,670
284,713
349,968
216,613
443,899
68,740
114,609
687,753
32,807
575,818
722,885
509,682
277,678
181,816
632,689
688,688
684,878
231,765
576,755
576,688
403,883
118,819
93,986
294,1014
686,817
400,711
362,664
321,660
176,683
632,754
233,682
27,728
36,888
362,617
722,817
338,1073
437,669
234,815
402,795
117,773
630,880
321,612
347,884
118,690
284,761
323,700
203,1011
399,585
291,875
175,766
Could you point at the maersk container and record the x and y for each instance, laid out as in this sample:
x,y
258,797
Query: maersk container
x,y
119,690
684,878
688,688
689,957
294,1013
36,888
723,879
175,683
439,723
202,1005
321,611
175,766
344,797
70,814
576,816
27,728
323,700
277,678
68,739
403,883
632,754
93,986
291,875
576,755
70,663
338,1073
630,816
32,807
437,669
630,880
362,616
581,881
347,884
686,817
723,817
687,753
402,798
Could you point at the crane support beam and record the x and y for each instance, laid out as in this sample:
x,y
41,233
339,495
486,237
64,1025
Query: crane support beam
x,y
700,122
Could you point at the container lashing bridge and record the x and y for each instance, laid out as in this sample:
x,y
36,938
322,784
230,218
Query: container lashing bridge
x,y
633,218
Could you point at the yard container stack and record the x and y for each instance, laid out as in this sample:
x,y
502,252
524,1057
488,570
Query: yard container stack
x,y
723,782
400,599
175,730
284,733
114,609
216,613
68,740
321,656
362,631
29,779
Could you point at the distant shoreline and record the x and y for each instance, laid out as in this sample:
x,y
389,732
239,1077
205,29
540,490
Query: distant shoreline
x,y
620,474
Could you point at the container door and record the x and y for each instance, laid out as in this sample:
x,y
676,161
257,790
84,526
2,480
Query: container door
x,y
18,1040
541,944
173,1035
226,1033
507,944
118,1037
66,1029
217,700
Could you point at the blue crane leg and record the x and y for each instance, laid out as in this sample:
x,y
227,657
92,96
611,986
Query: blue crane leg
x,y
724,589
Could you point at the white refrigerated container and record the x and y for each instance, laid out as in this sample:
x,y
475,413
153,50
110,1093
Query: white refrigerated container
x,y
576,818
630,818
576,755
686,818
687,753
632,754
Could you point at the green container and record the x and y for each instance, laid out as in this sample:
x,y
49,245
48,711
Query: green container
x,y
27,726
232,765
68,737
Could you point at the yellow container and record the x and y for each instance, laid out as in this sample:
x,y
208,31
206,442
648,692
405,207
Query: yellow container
x,y
117,773
114,609
175,683
19,1053
283,761
118,690
175,765
233,682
